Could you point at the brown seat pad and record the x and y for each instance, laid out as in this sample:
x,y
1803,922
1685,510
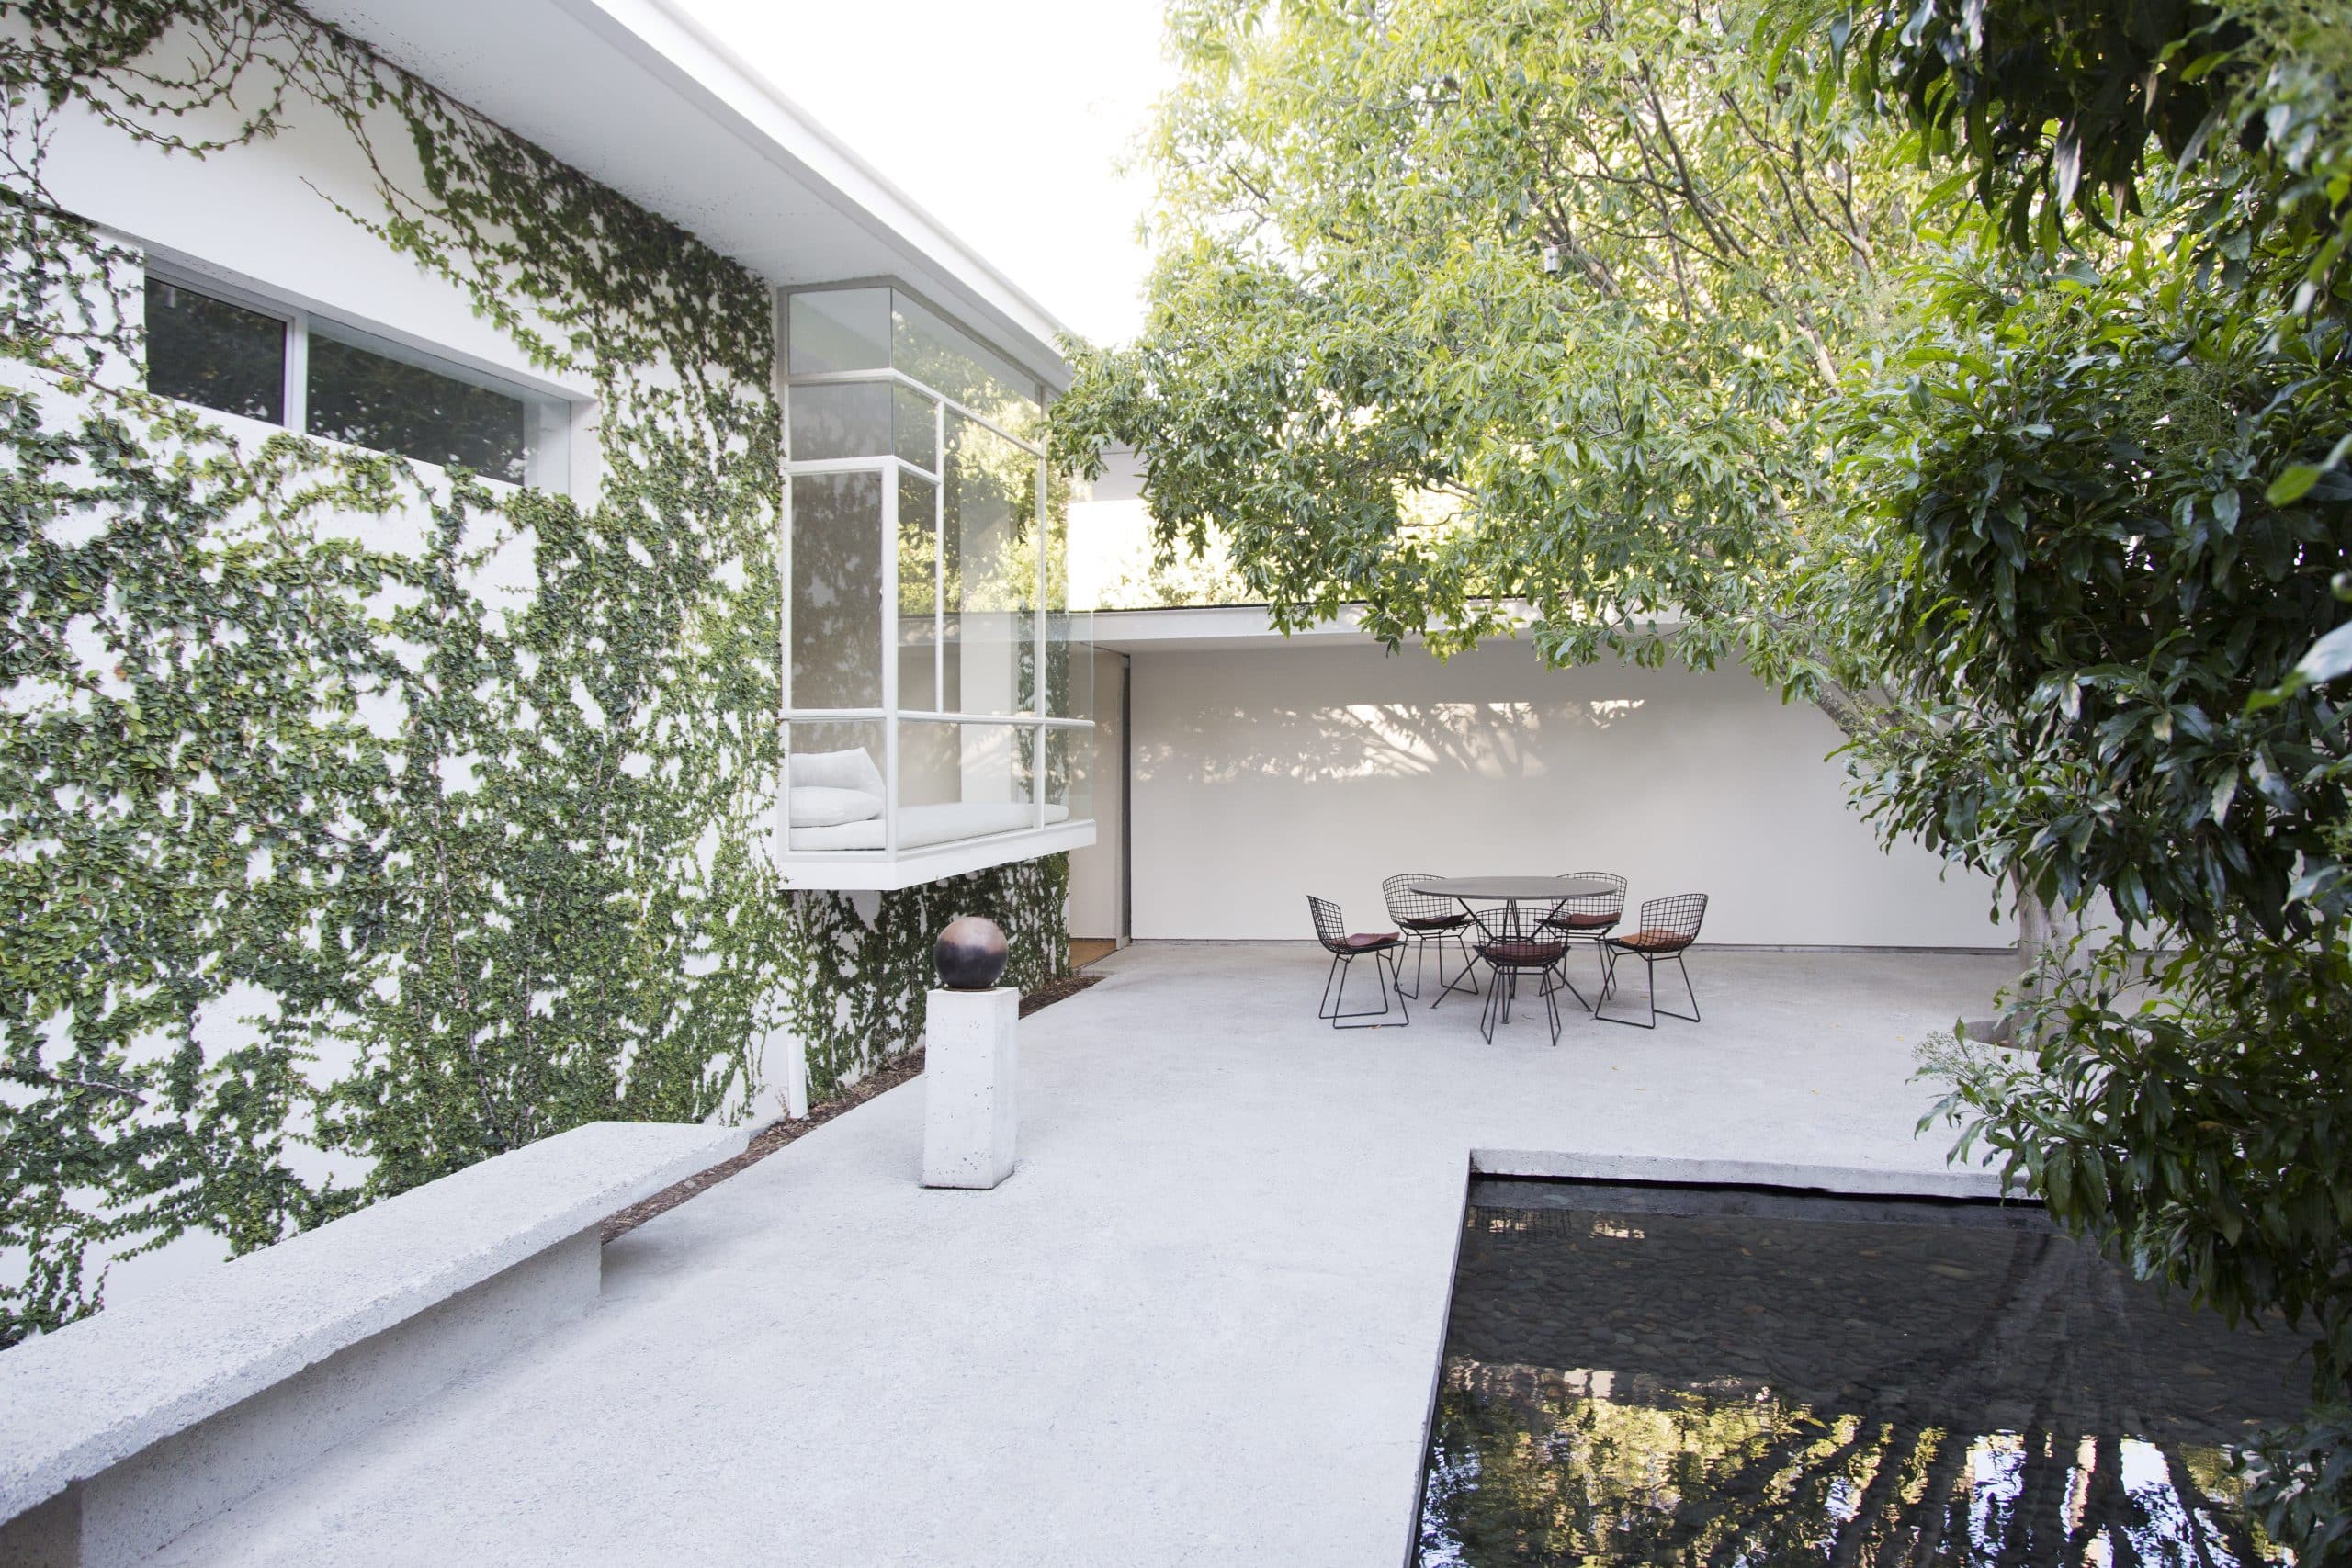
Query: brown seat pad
x,y
1363,941
1577,922
1522,952
1653,941
1436,922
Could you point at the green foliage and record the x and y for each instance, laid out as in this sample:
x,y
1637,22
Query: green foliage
x,y
356,808
2079,582
1357,371
2107,520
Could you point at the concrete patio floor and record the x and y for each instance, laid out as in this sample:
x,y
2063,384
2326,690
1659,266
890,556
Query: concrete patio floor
x,y
1200,1323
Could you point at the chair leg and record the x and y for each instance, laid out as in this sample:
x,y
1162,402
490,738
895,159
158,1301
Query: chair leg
x,y
1557,976
1552,1006
1421,950
1650,971
1494,1003
1468,971
1692,1016
1342,966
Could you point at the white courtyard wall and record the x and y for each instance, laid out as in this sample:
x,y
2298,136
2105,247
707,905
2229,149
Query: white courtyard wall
x,y
1264,774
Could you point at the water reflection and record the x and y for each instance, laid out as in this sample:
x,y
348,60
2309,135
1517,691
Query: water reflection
x,y
1650,1376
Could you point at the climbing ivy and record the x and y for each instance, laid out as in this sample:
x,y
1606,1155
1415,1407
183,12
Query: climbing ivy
x,y
350,808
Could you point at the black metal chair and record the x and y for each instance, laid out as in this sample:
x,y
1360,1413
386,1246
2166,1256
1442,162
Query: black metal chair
x,y
1345,947
1423,918
1514,942
1590,918
1667,930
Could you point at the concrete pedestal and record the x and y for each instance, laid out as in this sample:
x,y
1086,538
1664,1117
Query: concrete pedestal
x,y
971,1060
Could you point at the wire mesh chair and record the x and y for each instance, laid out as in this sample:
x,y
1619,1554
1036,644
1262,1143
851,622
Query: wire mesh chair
x,y
1667,927
1590,918
1345,947
1514,940
1424,917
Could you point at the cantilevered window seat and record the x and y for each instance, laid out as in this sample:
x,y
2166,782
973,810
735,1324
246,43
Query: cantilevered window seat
x,y
121,1431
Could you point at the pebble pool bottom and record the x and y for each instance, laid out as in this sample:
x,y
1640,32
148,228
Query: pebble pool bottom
x,y
1719,1377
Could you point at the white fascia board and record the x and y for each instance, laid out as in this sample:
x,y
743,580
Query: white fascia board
x,y
877,870
1221,627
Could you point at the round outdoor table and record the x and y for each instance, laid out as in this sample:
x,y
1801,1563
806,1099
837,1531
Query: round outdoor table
x,y
1510,892
1514,889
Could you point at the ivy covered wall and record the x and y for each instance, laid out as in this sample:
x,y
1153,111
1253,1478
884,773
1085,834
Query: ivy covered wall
x,y
361,820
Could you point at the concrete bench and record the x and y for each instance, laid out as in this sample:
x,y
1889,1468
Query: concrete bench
x,y
121,1431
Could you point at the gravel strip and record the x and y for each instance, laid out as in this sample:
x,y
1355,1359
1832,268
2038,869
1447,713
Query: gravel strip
x,y
775,1135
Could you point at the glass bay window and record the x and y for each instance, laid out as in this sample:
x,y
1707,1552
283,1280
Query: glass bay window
x,y
935,672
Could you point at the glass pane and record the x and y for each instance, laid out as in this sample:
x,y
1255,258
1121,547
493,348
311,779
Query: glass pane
x,y
834,775
215,354
963,781
836,590
372,400
918,594
1069,666
840,422
941,357
1070,756
840,329
918,431
991,571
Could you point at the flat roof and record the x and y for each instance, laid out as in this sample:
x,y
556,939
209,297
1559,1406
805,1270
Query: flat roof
x,y
645,99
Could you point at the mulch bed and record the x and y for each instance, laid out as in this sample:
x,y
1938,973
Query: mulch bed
x,y
775,1135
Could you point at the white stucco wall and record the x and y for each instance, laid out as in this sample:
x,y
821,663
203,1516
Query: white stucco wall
x,y
1264,775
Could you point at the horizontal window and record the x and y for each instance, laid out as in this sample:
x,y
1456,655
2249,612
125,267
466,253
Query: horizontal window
x,y
314,375
215,354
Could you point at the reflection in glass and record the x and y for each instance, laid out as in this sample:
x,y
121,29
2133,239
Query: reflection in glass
x,y
215,354
836,590
918,428
1070,770
373,399
851,420
953,362
1652,1376
966,781
990,571
839,329
918,593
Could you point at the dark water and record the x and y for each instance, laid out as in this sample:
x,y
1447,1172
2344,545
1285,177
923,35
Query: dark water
x,y
1655,1376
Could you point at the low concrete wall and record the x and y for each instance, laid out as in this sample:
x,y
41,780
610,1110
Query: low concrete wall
x,y
131,1509
119,1432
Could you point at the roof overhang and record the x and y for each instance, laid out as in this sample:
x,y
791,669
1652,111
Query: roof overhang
x,y
1212,629
645,99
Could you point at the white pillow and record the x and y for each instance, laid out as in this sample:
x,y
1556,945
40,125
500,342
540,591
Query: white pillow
x,y
853,769
814,806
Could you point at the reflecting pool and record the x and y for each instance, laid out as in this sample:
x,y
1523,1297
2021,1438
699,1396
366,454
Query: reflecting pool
x,y
1656,1375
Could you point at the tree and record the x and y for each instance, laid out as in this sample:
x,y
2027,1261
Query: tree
x,y
1463,306
2104,512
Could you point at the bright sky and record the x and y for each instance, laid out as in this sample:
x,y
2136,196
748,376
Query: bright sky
x,y
1003,118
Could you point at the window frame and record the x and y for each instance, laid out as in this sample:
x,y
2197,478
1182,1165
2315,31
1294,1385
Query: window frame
x,y
544,469
891,865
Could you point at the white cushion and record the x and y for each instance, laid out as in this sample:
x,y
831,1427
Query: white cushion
x,y
853,769
924,825
815,806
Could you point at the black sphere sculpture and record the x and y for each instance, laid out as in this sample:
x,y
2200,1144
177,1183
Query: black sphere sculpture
x,y
971,954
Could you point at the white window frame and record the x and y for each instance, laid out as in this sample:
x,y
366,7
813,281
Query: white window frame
x,y
889,866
